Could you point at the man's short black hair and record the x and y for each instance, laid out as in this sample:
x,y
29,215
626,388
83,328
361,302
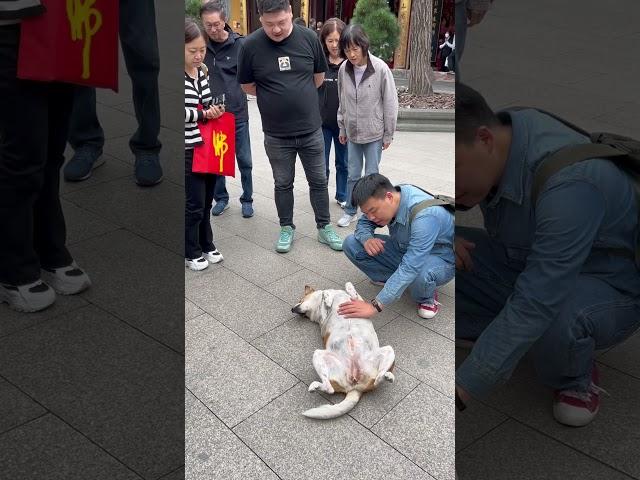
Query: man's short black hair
x,y
214,6
353,34
472,112
371,186
269,6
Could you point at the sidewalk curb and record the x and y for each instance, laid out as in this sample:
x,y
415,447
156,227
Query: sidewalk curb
x,y
426,120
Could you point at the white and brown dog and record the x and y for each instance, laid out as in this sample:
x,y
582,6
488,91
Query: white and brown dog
x,y
352,361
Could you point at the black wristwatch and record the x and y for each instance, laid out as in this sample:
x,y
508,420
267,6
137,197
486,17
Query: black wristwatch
x,y
376,305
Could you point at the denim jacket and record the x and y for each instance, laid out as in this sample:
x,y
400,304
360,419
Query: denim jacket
x,y
582,210
430,233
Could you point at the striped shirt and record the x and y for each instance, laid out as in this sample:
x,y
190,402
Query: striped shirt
x,y
195,92
13,11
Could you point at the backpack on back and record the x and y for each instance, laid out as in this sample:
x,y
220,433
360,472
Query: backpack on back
x,y
438,200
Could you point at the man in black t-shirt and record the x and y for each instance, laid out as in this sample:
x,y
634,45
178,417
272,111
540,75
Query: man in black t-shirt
x,y
283,64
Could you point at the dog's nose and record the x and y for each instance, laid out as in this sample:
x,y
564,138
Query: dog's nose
x,y
296,309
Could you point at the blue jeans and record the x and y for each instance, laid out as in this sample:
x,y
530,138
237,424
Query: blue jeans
x,y
435,272
243,158
282,157
341,160
372,153
594,316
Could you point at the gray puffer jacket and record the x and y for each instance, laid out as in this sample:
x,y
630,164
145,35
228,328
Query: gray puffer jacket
x,y
369,112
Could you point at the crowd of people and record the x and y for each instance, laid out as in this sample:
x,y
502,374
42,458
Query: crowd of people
x,y
284,64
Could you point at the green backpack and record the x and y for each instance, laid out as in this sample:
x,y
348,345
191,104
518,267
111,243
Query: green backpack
x,y
623,151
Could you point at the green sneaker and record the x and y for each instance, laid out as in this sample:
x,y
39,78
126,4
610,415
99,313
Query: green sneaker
x,y
328,236
285,239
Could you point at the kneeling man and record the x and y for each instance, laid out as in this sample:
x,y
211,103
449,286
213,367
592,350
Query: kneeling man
x,y
417,254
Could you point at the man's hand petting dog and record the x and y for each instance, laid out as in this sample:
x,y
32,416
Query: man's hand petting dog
x,y
374,246
357,309
463,249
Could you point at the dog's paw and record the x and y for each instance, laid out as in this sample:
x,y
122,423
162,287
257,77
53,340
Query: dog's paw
x,y
314,386
351,290
389,377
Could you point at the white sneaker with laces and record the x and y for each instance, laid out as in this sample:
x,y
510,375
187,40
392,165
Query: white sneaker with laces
x,y
346,219
67,280
32,297
213,256
429,310
196,264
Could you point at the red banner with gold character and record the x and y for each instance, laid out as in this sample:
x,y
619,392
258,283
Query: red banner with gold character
x,y
75,41
217,154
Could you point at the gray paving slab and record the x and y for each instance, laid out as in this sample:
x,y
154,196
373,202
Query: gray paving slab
x,y
175,475
170,101
191,310
115,123
254,263
117,262
213,452
242,306
217,371
517,451
257,229
422,427
49,448
107,381
12,321
157,213
624,357
422,353
291,288
296,448
443,323
475,422
16,408
612,438
82,224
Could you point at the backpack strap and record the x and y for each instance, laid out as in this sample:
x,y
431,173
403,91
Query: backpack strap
x,y
438,200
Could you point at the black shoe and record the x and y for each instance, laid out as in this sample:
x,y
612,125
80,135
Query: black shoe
x,y
84,160
147,169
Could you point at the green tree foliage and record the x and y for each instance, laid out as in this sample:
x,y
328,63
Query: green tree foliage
x,y
192,8
380,25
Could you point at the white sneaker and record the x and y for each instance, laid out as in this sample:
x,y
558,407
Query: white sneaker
x,y
196,264
213,256
346,219
31,297
341,204
67,280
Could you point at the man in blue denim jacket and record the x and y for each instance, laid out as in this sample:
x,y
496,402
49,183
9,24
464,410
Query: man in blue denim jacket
x,y
542,277
417,254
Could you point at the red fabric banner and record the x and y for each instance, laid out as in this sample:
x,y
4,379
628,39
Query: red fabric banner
x,y
218,152
75,41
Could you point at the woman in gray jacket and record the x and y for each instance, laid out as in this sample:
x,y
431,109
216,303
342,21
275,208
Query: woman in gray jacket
x,y
368,110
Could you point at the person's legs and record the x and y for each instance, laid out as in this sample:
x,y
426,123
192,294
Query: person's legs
x,y
327,134
372,156
85,130
139,40
311,152
436,272
282,157
378,268
342,172
245,163
194,187
205,233
482,293
220,194
595,317
356,153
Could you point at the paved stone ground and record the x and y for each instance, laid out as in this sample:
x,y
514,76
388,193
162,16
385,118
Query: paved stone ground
x,y
87,387
558,56
248,358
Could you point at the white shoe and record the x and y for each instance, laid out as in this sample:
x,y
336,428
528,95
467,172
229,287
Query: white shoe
x,y
31,297
67,280
213,256
346,219
341,204
196,264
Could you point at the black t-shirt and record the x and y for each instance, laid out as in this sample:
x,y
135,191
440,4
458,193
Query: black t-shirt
x,y
283,73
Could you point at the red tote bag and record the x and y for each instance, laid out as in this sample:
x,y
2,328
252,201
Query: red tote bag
x,y
75,41
217,154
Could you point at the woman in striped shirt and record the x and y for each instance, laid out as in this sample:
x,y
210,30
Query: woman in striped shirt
x,y
199,248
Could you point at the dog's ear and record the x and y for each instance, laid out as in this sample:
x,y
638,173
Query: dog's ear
x,y
327,299
308,290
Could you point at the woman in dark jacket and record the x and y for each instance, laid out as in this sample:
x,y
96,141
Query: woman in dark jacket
x,y
328,95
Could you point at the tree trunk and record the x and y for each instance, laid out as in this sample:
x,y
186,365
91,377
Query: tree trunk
x,y
420,72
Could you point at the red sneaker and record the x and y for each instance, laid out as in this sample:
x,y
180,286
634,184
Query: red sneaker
x,y
429,310
578,409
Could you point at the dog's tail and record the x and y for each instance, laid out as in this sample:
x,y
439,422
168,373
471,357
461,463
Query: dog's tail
x,y
325,412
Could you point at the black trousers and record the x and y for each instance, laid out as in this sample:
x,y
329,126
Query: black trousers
x,y
198,187
139,40
34,121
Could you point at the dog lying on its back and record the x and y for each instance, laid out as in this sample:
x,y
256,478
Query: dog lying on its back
x,y
353,361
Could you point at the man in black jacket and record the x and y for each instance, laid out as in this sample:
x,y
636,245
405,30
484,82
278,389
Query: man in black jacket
x,y
222,62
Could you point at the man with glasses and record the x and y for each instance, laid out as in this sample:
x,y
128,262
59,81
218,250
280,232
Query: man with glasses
x,y
283,65
222,62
